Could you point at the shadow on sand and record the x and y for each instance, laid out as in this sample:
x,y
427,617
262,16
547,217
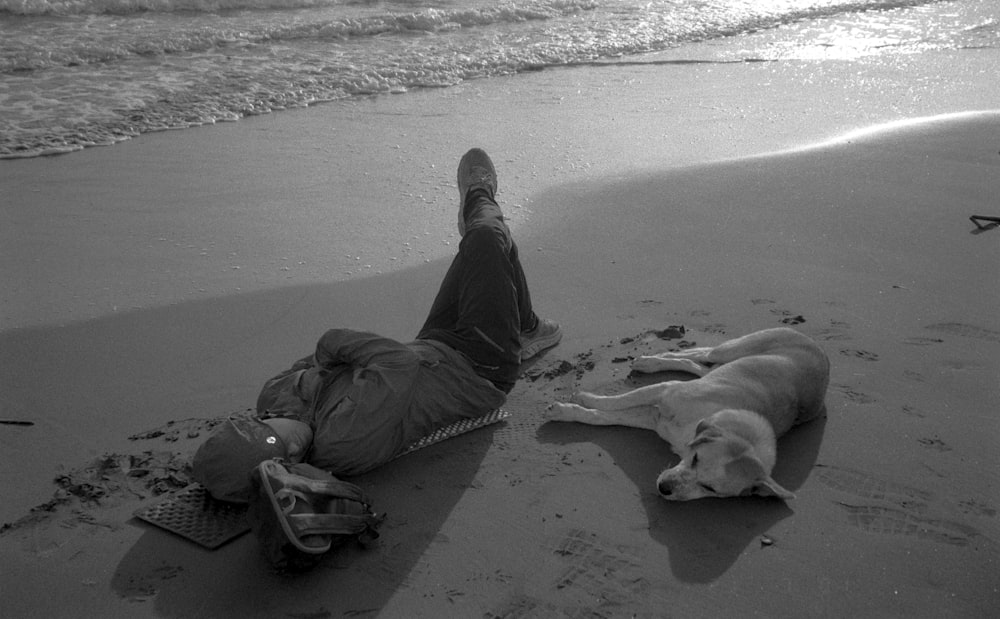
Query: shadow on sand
x,y
417,492
140,369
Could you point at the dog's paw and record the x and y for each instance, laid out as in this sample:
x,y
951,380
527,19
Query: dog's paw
x,y
584,399
561,411
646,364
553,411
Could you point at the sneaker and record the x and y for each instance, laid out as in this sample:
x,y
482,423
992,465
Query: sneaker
x,y
475,170
545,335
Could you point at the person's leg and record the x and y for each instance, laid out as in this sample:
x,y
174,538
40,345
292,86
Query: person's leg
x,y
483,308
483,300
476,172
529,320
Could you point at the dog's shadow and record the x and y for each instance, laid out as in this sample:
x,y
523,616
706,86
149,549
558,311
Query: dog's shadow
x,y
703,537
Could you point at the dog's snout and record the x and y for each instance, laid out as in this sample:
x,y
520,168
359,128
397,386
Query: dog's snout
x,y
665,488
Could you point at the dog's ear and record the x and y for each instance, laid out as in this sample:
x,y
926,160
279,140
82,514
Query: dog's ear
x,y
704,432
749,467
769,487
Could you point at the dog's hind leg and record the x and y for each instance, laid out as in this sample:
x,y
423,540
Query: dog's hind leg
x,y
756,343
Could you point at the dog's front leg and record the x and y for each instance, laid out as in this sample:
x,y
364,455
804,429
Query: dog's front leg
x,y
643,396
640,417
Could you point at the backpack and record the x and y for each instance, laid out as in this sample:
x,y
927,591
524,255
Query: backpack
x,y
299,512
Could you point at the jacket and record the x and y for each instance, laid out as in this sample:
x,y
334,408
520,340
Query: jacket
x,y
367,398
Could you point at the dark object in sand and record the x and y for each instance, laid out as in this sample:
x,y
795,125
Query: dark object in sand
x,y
673,332
994,222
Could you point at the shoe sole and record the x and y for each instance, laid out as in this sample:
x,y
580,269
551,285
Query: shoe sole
x,y
539,345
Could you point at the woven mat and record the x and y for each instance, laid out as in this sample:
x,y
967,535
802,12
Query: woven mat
x,y
457,428
193,514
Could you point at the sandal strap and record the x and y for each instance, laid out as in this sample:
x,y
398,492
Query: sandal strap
x,y
331,488
331,524
290,493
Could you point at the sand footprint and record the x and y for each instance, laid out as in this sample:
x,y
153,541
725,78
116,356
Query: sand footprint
x,y
914,376
864,485
978,508
888,521
922,341
599,579
913,411
524,606
832,335
838,331
860,354
143,587
901,511
934,443
788,318
964,330
856,397
597,567
716,328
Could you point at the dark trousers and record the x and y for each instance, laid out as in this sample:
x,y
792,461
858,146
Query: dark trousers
x,y
484,304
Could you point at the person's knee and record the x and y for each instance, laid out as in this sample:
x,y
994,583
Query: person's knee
x,y
487,236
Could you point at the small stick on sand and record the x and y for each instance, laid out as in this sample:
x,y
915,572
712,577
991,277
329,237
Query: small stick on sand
x,y
994,221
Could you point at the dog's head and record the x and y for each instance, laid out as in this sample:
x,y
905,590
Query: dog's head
x,y
719,463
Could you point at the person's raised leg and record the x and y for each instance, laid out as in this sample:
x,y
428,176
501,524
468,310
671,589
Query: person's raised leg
x,y
483,307
476,171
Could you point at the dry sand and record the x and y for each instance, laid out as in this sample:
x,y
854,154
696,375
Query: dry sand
x,y
153,286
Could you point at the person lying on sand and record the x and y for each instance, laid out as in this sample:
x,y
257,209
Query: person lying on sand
x,y
361,399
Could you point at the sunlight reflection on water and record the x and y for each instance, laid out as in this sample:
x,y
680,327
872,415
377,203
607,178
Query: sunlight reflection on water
x,y
902,31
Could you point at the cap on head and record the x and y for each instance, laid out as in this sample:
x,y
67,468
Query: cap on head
x,y
224,461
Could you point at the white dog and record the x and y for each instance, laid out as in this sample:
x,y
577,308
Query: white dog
x,y
724,424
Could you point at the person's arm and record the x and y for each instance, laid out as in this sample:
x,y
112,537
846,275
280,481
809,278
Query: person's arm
x,y
359,418
360,349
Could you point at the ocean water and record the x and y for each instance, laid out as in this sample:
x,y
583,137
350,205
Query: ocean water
x,y
79,73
